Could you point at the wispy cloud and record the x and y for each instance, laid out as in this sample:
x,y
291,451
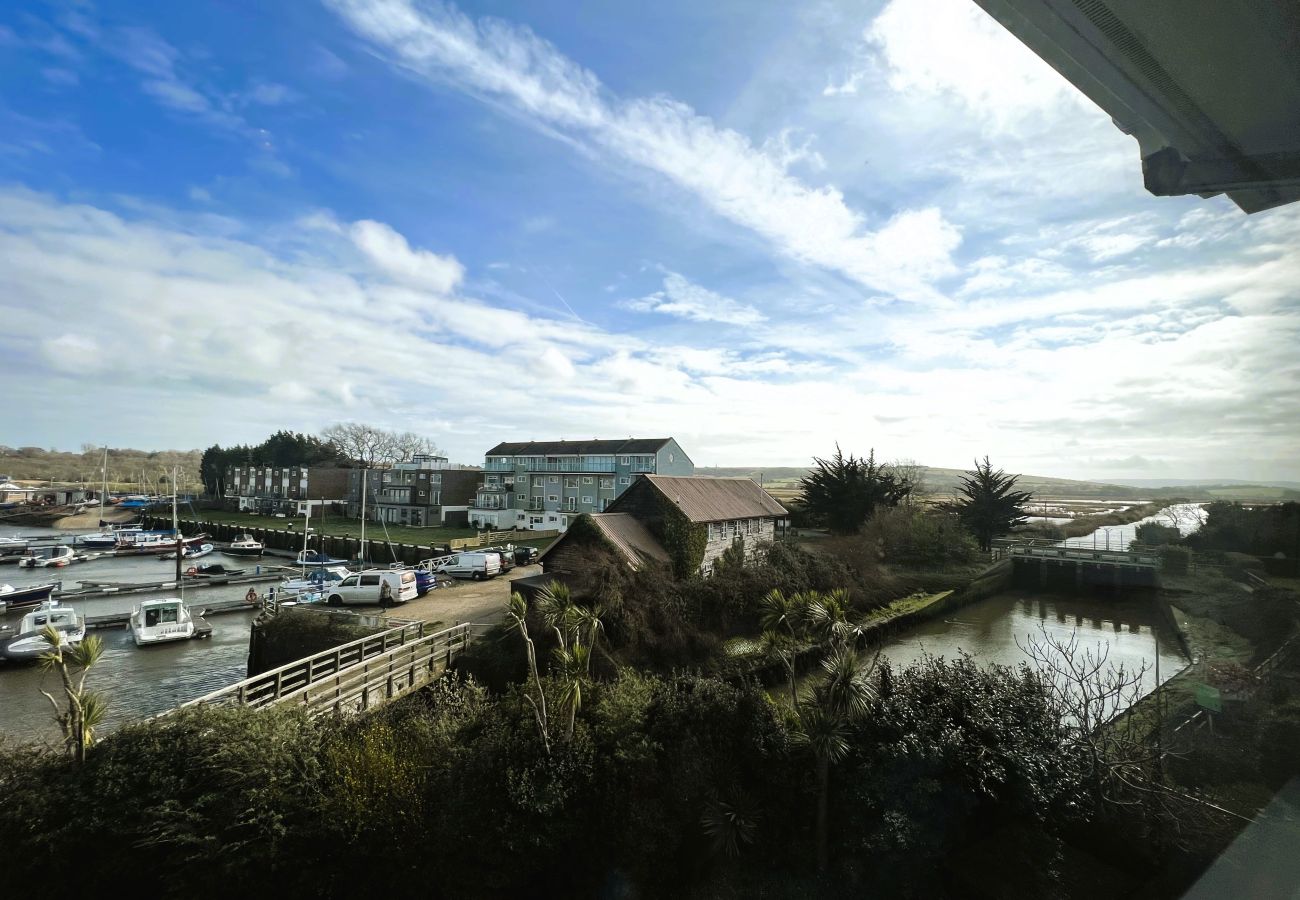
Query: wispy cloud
x,y
752,188
685,300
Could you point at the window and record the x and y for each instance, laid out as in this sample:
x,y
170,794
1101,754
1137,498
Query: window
x,y
570,482
554,498
670,457
573,503
586,480
521,497
624,479
735,527
509,479
586,500
534,520
606,483
493,479
555,479
624,460
715,531
564,521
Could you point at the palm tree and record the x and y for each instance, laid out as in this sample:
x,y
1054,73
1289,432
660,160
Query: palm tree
x,y
839,700
86,710
517,615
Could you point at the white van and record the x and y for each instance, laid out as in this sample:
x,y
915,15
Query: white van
x,y
467,565
367,587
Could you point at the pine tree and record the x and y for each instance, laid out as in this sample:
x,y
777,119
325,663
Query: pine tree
x,y
989,506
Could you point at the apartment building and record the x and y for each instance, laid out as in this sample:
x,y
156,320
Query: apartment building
x,y
286,489
427,490
541,485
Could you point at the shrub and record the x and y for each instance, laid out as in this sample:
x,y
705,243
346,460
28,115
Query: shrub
x,y
1175,560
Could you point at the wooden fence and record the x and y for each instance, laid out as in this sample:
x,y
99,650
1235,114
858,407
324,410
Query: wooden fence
x,y
484,538
351,677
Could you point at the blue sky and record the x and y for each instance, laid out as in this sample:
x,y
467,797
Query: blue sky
x,y
759,229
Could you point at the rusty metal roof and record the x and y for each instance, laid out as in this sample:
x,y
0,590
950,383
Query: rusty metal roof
x,y
705,498
626,534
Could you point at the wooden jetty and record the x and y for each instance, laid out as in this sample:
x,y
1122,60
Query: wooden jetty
x,y
120,619
115,588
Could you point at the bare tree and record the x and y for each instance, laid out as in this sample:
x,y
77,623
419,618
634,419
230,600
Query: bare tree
x,y
911,473
1118,740
407,445
369,446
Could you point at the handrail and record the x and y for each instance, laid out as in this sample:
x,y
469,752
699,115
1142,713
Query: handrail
x,y
251,691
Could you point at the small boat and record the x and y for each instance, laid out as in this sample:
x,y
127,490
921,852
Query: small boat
x,y
56,557
160,621
108,540
245,546
192,552
12,598
30,643
209,570
316,579
316,558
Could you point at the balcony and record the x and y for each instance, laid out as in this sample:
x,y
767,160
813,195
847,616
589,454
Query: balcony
x,y
499,467
568,466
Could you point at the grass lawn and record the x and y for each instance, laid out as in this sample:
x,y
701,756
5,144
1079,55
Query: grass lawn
x,y
338,526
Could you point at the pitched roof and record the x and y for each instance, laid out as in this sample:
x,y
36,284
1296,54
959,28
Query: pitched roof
x,y
628,536
580,448
705,498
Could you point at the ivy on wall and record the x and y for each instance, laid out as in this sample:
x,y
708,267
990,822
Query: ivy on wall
x,y
684,541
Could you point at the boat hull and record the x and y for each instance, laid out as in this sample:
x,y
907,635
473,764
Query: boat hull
x,y
31,646
26,598
242,551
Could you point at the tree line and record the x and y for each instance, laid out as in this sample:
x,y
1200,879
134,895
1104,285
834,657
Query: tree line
x,y
843,493
347,444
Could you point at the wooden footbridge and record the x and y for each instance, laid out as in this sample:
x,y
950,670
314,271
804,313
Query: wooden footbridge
x,y
351,677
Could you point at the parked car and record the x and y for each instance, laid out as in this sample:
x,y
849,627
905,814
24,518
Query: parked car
x,y
477,565
506,556
526,555
367,587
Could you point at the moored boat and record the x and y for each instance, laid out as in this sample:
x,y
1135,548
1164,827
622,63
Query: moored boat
x,y
192,552
30,644
246,545
316,558
55,557
13,599
161,621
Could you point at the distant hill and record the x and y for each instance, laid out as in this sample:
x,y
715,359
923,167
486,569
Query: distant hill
x,y
1206,483
784,483
938,481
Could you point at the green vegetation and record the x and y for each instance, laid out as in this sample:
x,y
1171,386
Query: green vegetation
x,y
843,492
128,470
988,506
1272,531
284,448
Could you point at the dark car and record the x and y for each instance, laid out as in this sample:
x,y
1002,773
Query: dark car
x,y
525,555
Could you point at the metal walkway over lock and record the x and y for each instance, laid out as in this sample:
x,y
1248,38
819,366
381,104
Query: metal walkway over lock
x,y
1122,568
351,677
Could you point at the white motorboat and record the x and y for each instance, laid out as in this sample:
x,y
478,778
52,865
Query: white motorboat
x,y
30,643
245,546
56,557
109,539
160,621
192,552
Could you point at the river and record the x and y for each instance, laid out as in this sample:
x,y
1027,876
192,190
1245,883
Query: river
x,y
138,681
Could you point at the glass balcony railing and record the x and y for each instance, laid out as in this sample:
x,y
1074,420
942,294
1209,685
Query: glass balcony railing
x,y
574,464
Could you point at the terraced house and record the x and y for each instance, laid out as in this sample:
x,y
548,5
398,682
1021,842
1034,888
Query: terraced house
x,y
542,485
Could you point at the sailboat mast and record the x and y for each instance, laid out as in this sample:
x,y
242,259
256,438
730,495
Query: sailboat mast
x,y
306,530
180,553
103,497
363,518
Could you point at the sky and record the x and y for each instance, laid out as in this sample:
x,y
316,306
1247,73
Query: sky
x,y
760,229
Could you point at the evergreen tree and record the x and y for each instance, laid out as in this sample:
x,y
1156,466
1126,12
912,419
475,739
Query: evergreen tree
x,y
843,492
989,506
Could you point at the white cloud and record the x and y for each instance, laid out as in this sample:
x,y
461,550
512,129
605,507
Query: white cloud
x,y
681,298
953,48
390,252
268,93
721,167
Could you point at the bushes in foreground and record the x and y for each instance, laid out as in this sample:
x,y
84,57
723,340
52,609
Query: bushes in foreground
x,y
665,781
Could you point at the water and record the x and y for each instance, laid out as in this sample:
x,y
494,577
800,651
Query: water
x,y
995,629
1188,517
138,681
